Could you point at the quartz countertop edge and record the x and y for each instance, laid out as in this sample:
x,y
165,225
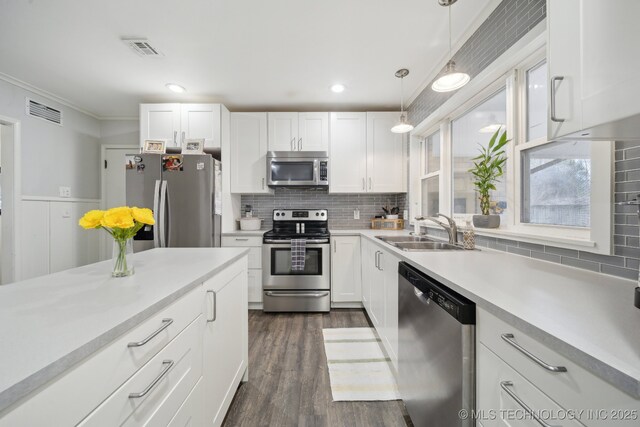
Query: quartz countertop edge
x,y
587,347
43,374
244,233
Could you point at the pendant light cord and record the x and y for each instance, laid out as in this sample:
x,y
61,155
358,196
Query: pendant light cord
x,y
401,95
450,56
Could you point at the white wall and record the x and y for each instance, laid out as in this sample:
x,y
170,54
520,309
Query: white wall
x,y
120,132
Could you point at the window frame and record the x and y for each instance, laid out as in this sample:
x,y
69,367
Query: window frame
x,y
509,71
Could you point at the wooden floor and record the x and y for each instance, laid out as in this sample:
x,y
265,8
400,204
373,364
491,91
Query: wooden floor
x,y
289,380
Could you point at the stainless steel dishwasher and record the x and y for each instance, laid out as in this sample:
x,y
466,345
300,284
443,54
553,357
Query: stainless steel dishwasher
x,y
436,351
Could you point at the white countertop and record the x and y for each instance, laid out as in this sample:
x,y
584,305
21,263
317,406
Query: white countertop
x,y
50,323
245,233
588,317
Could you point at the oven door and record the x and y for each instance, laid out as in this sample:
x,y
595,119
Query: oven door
x,y
277,273
292,172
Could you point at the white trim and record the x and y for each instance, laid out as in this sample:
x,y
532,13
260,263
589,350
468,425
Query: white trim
x,y
16,184
346,304
470,30
59,199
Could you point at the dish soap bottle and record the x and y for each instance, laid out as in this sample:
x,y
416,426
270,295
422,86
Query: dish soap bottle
x,y
468,236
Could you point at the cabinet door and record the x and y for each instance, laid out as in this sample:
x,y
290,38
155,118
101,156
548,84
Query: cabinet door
x,y
390,273
563,50
348,153
367,271
255,286
160,121
191,411
385,154
610,83
377,291
224,358
283,132
345,269
201,121
249,153
313,132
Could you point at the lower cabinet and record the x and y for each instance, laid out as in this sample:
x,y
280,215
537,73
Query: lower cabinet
x,y
225,341
380,285
255,265
346,284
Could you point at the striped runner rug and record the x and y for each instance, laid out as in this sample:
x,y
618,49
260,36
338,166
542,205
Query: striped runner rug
x,y
358,369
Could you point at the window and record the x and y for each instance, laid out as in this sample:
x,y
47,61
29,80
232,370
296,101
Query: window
x,y
556,184
537,102
469,131
430,179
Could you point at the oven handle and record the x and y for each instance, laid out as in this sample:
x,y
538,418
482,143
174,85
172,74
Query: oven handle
x,y
311,241
297,294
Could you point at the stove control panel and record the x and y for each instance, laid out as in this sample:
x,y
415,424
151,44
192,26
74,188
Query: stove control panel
x,y
300,215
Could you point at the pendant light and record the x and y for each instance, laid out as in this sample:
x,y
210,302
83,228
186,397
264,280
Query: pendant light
x,y
403,125
450,79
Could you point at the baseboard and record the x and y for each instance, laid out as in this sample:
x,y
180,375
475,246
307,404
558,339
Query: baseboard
x,y
255,306
346,305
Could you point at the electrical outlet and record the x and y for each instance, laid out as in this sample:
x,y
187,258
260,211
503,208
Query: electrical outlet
x,y
356,214
65,191
405,214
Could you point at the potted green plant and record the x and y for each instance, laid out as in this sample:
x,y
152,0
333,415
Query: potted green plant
x,y
488,167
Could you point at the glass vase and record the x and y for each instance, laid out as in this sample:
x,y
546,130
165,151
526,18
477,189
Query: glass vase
x,y
122,263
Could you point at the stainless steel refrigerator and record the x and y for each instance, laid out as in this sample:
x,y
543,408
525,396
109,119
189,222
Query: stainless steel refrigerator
x,y
184,193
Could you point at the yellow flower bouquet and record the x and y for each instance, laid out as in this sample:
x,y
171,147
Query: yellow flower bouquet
x,y
122,223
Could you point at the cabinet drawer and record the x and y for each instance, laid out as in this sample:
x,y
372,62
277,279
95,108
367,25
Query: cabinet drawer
x,y
574,389
242,241
81,389
498,388
155,393
191,413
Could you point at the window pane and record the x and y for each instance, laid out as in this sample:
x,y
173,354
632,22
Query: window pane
x,y
430,196
476,127
537,102
433,153
556,184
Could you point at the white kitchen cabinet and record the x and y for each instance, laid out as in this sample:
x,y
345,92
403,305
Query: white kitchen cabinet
x,y
291,131
249,153
226,318
346,284
385,154
365,156
389,264
348,153
367,260
176,122
191,412
254,243
589,48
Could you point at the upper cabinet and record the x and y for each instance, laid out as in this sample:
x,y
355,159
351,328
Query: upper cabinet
x,y
594,85
249,153
298,131
177,122
365,156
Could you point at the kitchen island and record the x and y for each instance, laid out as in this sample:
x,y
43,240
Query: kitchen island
x,y
80,346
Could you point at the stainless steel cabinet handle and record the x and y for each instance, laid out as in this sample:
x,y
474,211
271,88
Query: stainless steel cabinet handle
x,y
300,144
263,183
376,259
297,294
335,247
509,339
168,364
379,262
175,137
214,305
165,325
246,239
369,183
183,135
293,143
505,386
553,98
364,185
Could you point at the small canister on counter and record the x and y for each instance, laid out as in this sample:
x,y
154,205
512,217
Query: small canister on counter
x,y
468,236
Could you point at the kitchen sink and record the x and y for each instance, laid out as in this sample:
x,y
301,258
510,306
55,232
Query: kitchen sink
x,y
427,246
400,239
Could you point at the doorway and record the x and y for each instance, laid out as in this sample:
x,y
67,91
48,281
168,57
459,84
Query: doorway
x,y
115,159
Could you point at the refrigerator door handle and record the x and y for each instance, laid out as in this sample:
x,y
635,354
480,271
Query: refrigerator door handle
x,y
156,215
163,214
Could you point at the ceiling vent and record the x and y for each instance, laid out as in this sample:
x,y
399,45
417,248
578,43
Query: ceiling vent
x,y
142,47
41,111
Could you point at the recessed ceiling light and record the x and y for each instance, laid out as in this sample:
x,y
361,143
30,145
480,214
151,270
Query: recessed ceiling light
x,y
337,88
175,88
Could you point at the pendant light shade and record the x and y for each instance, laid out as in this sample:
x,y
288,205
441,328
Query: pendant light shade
x,y
450,79
403,126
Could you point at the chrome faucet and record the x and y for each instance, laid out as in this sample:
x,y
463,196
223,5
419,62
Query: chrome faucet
x,y
451,228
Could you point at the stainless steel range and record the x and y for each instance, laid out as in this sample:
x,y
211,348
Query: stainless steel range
x,y
307,287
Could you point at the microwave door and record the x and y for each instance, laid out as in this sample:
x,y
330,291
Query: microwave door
x,y
292,172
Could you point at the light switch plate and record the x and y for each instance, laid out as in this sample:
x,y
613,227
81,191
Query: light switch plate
x,y
356,214
65,191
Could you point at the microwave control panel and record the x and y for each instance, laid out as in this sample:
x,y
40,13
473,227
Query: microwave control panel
x,y
323,171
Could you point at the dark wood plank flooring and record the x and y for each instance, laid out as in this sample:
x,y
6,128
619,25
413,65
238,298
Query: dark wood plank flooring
x,y
289,380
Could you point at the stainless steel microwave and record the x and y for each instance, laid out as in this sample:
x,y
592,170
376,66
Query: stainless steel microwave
x,y
297,169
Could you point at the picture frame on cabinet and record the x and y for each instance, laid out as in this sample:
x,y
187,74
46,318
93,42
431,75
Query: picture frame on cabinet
x,y
155,146
193,146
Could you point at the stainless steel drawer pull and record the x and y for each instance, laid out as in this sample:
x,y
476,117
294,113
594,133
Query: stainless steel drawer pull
x,y
166,323
509,339
214,305
242,240
297,294
168,364
553,98
505,386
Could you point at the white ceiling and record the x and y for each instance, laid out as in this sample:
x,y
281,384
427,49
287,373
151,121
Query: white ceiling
x,y
247,54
